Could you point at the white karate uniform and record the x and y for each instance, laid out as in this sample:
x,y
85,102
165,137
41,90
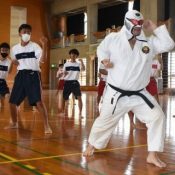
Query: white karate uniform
x,y
131,71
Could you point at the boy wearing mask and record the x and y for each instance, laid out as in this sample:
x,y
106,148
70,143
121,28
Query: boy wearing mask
x,y
27,83
5,68
71,75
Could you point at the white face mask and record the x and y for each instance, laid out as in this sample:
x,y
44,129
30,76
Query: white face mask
x,y
25,37
133,18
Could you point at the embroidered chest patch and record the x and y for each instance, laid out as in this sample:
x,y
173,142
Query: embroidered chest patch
x,y
145,49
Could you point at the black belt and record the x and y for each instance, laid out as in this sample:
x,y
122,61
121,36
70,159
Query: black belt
x,y
129,93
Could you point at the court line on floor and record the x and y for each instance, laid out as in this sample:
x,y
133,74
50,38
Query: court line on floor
x,y
72,154
26,167
58,159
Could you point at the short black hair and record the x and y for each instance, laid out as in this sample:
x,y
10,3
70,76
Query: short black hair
x,y
74,51
60,65
4,45
24,26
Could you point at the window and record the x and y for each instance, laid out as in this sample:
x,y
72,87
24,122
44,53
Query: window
x,y
85,24
82,78
112,15
167,9
75,24
136,5
171,70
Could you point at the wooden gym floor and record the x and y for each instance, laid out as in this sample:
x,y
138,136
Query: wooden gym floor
x,y
28,151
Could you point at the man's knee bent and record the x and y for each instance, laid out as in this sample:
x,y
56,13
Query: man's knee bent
x,y
159,116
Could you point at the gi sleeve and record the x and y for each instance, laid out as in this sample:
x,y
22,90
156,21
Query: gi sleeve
x,y
102,66
162,42
158,65
102,49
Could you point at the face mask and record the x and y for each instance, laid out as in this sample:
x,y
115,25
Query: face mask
x,y
133,18
4,55
25,37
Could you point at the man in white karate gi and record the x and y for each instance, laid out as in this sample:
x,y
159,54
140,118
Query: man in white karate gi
x,y
128,56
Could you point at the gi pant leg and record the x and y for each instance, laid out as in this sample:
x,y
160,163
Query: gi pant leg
x,y
105,124
155,122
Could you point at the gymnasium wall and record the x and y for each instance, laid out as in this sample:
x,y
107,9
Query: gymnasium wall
x,y
36,17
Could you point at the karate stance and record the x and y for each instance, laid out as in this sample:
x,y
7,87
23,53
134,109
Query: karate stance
x,y
128,56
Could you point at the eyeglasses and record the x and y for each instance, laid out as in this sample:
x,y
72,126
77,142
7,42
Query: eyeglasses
x,y
135,22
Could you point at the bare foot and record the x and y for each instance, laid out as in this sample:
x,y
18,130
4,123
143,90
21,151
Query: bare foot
x,y
62,114
154,159
34,109
89,151
48,130
12,126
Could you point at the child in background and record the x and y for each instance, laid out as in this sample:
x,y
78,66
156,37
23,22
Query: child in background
x,y
28,55
71,75
60,86
155,73
5,68
60,77
102,83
